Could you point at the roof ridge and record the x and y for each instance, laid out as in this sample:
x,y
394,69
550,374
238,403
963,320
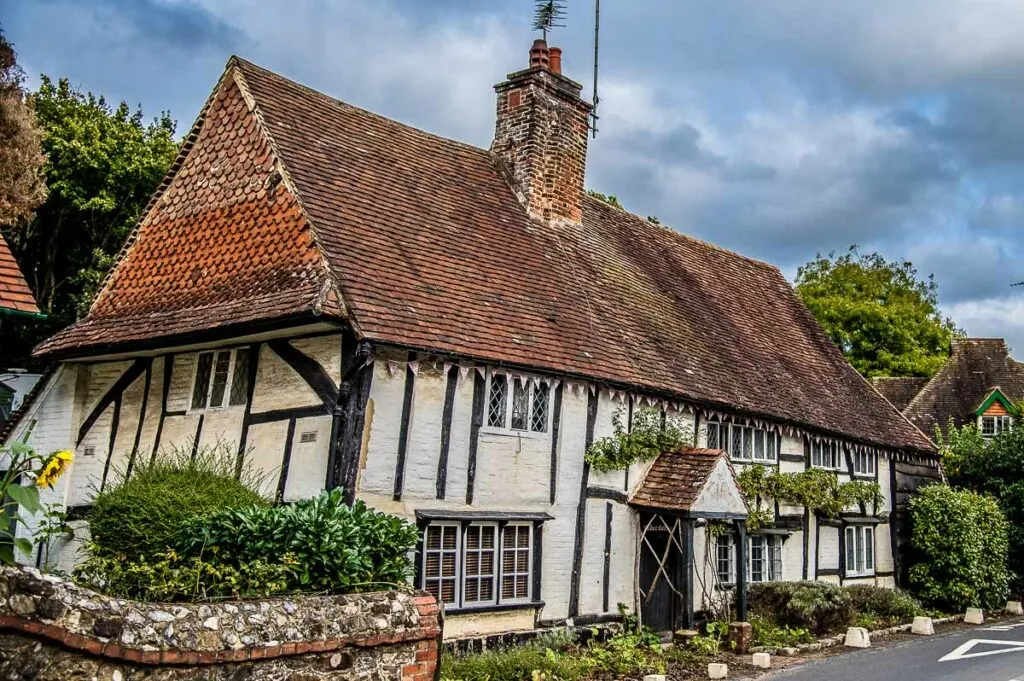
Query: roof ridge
x,y
245,63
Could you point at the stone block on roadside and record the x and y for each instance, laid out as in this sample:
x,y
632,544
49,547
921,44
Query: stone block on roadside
x,y
857,637
718,671
922,626
1014,608
654,677
762,660
974,616
788,651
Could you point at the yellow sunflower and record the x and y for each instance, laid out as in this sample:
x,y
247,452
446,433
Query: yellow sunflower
x,y
53,468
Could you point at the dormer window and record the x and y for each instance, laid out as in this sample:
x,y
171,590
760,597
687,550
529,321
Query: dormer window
x,y
991,426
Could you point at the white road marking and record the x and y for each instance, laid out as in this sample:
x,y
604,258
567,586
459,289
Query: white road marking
x,y
962,653
1004,627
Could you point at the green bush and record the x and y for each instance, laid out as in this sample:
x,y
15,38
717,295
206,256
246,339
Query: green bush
x,y
168,577
816,606
960,543
767,633
627,654
994,467
338,548
886,607
138,517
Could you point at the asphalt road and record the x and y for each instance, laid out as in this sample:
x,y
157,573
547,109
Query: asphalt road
x,y
982,653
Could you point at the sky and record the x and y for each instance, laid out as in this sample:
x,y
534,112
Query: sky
x,y
777,128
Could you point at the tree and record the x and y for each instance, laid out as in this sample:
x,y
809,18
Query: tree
x,y
883,317
21,155
103,164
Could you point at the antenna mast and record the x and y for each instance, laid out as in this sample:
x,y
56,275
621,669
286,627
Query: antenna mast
x,y
597,38
549,14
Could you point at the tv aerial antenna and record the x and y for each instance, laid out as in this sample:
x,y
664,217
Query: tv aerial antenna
x,y
550,14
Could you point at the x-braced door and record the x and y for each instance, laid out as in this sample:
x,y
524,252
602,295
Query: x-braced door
x,y
662,578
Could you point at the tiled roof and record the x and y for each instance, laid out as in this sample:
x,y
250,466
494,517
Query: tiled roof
x,y
974,368
676,478
15,294
431,249
899,390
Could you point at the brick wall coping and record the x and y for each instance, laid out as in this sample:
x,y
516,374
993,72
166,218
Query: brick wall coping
x,y
209,633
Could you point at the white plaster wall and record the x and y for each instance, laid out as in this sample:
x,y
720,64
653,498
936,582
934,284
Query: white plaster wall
x,y
377,470
307,471
812,546
828,548
793,557
277,384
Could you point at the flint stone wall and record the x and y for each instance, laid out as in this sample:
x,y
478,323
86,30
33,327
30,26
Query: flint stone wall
x,y
52,629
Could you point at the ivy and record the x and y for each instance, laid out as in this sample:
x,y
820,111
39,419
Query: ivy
x,y
817,490
651,434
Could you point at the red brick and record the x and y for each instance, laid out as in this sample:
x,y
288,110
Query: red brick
x,y
426,656
288,648
133,655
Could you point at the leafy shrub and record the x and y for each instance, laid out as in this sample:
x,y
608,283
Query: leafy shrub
x,y
816,606
960,542
710,642
994,467
139,517
337,547
770,635
169,577
628,653
886,606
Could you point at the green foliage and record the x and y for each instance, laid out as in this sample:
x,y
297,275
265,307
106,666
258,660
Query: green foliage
x,y
710,642
103,164
768,634
960,543
629,653
882,315
170,577
647,438
994,467
338,548
887,607
610,199
818,607
818,490
21,463
141,516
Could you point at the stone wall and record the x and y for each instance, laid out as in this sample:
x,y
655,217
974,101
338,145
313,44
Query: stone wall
x,y
51,630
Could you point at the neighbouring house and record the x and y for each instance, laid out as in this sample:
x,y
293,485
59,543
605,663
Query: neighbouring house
x,y
15,295
980,383
442,331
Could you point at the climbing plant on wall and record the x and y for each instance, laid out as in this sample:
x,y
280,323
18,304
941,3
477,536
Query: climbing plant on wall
x,y
817,490
652,433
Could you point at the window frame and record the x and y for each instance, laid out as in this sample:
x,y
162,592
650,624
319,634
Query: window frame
x,y
772,566
858,551
228,385
533,390
498,575
837,454
862,457
1000,424
730,430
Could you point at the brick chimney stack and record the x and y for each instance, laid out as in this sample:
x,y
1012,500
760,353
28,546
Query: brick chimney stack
x,y
541,134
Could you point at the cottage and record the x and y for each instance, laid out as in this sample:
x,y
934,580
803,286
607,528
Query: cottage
x,y
980,383
442,331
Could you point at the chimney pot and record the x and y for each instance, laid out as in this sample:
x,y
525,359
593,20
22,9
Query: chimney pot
x,y
539,54
555,59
